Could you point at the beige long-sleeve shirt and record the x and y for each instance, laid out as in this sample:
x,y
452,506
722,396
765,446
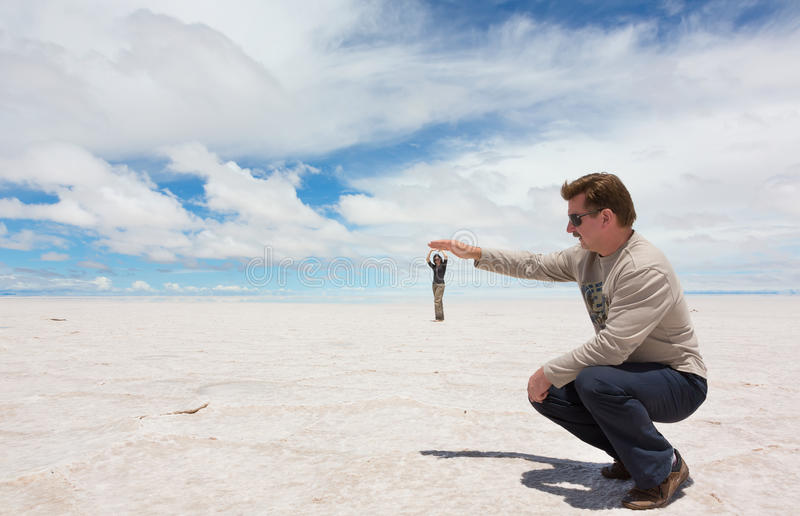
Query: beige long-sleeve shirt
x,y
634,300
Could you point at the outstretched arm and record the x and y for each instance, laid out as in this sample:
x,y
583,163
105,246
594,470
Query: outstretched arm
x,y
459,249
428,258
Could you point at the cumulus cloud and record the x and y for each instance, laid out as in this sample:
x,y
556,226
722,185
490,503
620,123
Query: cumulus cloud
x,y
121,206
232,289
231,189
102,283
263,210
267,91
141,286
92,193
461,198
177,288
190,289
129,214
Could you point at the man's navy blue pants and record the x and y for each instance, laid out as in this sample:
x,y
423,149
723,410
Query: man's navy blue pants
x,y
613,408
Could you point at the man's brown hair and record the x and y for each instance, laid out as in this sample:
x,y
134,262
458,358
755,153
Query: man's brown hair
x,y
603,190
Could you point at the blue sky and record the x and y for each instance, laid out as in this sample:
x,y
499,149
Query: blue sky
x,y
167,148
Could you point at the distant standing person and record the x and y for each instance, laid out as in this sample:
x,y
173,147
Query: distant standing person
x,y
439,267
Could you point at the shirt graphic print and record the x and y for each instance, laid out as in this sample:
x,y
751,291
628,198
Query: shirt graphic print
x,y
596,303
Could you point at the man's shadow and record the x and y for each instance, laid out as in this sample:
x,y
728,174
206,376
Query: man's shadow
x,y
587,488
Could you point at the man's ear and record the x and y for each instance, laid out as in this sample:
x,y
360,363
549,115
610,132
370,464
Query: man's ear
x,y
608,216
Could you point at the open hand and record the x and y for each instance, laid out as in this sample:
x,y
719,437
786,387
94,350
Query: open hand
x,y
459,249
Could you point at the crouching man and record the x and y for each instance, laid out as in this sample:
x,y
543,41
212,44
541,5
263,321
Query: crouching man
x,y
643,363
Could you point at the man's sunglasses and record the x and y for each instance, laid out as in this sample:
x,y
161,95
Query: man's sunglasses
x,y
576,218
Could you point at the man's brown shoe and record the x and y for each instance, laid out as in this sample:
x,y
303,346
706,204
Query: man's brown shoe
x,y
616,470
660,495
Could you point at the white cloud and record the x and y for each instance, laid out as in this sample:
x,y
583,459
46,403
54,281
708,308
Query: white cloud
x,y
26,239
90,264
43,282
177,288
121,206
102,283
231,189
92,194
129,215
401,213
141,286
191,289
54,257
781,192
232,288
200,70
302,83
262,210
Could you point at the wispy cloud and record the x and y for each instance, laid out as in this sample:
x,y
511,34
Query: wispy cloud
x,y
26,239
90,264
54,257
37,283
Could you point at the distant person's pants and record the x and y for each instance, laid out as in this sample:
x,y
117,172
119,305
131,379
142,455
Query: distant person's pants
x,y
613,408
438,292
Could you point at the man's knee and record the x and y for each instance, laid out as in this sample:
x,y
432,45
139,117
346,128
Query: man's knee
x,y
597,381
586,380
547,406
538,406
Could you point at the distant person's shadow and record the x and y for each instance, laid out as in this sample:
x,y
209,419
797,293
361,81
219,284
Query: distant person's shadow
x,y
587,488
